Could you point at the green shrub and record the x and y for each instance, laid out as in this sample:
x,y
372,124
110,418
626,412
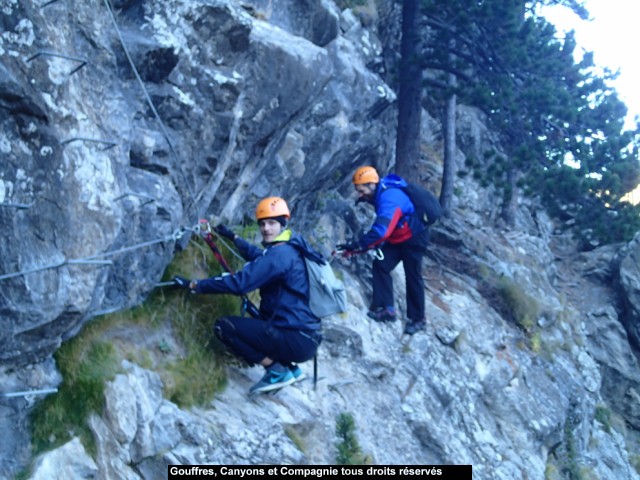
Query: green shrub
x,y
603,415
349,451
509,298
192,372
524,308
86,363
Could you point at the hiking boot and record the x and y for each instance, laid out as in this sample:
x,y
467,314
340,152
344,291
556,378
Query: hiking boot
x,y
273,379
382,314
298,374
414,326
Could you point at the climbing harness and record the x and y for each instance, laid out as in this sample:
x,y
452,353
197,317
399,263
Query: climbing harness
x,y
206,233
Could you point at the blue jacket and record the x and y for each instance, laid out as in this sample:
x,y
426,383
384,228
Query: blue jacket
x,y
395,222
280,273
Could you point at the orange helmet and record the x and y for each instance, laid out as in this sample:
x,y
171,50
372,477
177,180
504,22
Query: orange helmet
x,y
272,207
365,175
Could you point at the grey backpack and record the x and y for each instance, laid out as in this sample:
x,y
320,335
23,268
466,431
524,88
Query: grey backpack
x,y
327,295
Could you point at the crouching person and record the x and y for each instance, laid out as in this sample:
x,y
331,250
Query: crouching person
x,y
286,332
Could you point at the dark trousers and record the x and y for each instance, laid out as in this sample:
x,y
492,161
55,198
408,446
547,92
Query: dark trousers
x,y
411,258
254,339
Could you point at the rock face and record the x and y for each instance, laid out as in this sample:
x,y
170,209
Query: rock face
x,y
105,167
630,281
230,108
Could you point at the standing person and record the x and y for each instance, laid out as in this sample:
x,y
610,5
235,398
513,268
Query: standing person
x,y
401,236
286,330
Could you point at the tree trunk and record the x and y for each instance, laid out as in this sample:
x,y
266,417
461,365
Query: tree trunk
x,y
449,168
510,199
410,92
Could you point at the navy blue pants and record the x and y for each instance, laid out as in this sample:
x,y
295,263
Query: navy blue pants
x,y
254,339
411,258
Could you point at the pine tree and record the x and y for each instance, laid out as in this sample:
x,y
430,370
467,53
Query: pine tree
x,y
559,122
410,91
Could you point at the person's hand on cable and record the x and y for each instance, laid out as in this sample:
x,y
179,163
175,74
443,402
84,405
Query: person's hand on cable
x,y
352,246
225,232
184,283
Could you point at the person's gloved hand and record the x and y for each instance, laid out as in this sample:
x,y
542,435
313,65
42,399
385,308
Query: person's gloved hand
x,y
223,231
182,282
349,246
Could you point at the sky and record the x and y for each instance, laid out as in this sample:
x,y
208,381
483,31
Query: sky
x,y
613,35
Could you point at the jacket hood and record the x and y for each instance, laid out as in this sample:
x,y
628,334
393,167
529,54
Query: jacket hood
x,y
301,244
394,181
390,181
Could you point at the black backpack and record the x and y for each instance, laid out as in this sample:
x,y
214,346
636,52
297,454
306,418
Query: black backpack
x,y
427,206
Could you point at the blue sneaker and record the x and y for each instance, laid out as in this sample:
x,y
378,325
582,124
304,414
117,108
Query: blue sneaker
x,y
273,379
298,374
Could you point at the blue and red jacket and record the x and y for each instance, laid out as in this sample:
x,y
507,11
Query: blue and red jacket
x,y
280,273
395,222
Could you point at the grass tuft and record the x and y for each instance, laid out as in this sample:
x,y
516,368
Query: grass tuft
x,y
170,333
85,365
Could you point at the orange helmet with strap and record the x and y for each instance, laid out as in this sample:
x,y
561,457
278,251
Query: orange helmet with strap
x,y
271,207
364,175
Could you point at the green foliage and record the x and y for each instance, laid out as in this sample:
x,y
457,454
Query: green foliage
x,y
195,261
349,451
515,304
510,299
86,363
535,342
546,108
570,467
193,377
250,231
603,224
603,415
296,437
171,333
551,472
524,308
